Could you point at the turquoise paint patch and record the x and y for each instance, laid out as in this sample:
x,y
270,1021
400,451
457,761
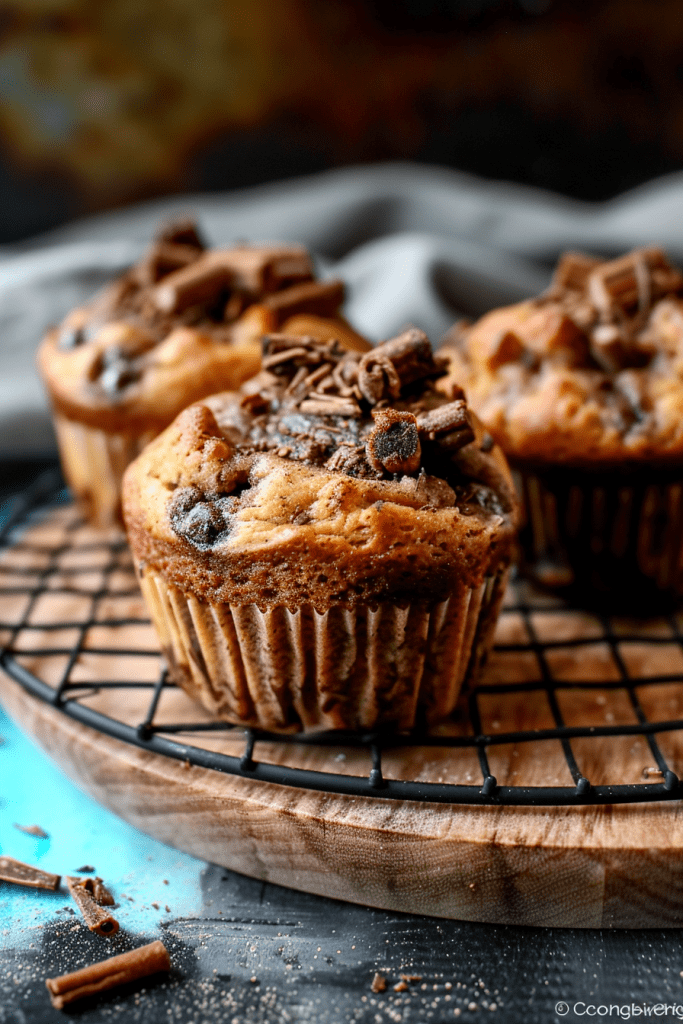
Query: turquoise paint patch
x,y
80,832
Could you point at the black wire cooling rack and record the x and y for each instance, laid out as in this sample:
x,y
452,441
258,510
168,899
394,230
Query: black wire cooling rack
x,y
40,568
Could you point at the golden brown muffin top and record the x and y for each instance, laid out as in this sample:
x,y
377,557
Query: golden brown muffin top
x,y
589,372
332,478
180,323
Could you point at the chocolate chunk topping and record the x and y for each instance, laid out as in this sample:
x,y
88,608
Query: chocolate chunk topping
x,y
631,284
163,258
182,231
365,415
393,365
572,271
180,283
394,444
321,297
207,279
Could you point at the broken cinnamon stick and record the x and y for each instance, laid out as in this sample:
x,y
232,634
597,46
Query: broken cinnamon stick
x,y
32,830
16,871
98,920
117,970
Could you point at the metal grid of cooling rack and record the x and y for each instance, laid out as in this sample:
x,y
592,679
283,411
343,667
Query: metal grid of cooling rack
x,y
66,695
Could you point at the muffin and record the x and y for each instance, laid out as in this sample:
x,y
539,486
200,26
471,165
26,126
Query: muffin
x,y
582,387
181,324
327,548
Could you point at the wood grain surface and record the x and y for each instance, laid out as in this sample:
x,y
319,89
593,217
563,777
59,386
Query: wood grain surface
x,y
594,866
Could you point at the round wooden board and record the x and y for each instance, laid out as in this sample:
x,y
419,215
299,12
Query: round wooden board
x,y
585,867
70,607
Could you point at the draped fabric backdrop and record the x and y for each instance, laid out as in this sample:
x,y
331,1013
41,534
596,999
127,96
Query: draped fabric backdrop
x,y
416,245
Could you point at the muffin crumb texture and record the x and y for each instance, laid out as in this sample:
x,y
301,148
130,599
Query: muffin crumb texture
x,y
332,478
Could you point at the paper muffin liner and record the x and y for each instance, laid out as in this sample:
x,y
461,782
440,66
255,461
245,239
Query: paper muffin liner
x,y
367,667
615,533
93,462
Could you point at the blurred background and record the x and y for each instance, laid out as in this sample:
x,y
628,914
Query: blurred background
x,y
105,103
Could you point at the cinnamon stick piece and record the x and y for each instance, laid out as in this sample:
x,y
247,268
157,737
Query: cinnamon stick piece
x,y
117,970
98,920
100,892
16,871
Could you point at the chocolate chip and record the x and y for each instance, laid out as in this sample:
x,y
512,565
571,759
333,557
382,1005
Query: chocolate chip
x,y
200,521
70,337
394,444
117,375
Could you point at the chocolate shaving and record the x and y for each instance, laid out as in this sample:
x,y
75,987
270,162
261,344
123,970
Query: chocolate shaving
x,y
18,873
290,357
394,443
330,405
377,378
444,419
107,974
98,920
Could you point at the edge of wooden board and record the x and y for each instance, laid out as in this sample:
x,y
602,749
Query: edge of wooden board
x,y
584,867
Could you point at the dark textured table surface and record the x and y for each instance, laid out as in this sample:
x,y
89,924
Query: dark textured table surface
x,y
248,952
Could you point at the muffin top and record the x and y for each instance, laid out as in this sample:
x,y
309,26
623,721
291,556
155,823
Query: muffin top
x,y
589,372
182,323
331,478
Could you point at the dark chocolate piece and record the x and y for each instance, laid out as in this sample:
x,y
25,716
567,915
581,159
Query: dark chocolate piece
x,y
321,297
182,231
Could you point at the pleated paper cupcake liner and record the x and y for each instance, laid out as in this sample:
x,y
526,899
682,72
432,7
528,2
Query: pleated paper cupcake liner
x,y
93,462
616,534
281,670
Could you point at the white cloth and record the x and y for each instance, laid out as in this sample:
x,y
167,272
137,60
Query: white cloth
x,y
416,245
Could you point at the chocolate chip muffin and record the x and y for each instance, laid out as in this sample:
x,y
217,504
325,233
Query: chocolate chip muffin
x,y
184,322
583,389
328,547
